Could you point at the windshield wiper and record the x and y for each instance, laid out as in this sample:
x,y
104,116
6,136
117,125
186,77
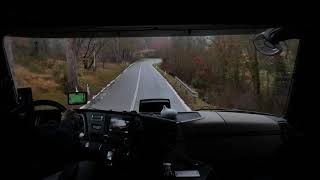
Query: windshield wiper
x,y
234,110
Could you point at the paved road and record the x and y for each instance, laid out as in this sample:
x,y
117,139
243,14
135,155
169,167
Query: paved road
x,y
140,81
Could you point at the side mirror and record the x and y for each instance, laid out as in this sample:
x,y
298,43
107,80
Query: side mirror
x,y
153,105
267,42
77,98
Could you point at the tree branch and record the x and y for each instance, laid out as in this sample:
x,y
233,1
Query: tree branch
x,y
88,47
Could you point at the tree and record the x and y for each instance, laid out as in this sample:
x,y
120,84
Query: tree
x,y
71,68
254,66
35,51
256,72
40,48
57,48
88,50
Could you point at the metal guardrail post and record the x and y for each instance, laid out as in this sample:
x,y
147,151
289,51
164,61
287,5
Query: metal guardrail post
x,y
88,90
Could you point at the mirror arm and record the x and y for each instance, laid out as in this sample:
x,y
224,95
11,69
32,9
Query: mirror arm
x,y
282,34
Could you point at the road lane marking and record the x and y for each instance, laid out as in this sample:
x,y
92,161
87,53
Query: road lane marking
x,y
109,84
136,91
185,106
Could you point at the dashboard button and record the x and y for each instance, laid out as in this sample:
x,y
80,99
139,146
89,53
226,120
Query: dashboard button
x,y
97,117
96,127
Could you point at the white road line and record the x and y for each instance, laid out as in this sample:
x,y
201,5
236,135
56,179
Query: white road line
x,y
136,91
84,106
186,107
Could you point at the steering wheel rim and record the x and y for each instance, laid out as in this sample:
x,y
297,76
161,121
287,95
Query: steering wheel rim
x,y
49,103
55,104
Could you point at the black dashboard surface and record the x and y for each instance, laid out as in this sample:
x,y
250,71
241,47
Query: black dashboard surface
x,y
225,138
208,121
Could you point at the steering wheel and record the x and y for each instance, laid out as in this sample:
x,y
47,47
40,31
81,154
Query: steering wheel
x,y
49,103
55,104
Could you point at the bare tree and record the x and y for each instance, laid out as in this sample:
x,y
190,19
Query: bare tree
x,y
71,68
89,51
255,70
115,46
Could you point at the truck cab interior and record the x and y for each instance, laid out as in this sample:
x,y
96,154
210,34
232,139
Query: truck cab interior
x,y
203,144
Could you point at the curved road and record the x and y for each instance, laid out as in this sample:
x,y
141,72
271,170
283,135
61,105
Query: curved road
x,y
139,81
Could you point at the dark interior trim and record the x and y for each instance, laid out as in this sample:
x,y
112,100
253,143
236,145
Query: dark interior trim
x,y
136,31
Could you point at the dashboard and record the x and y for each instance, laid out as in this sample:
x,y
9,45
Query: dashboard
x,y
226,138
203,133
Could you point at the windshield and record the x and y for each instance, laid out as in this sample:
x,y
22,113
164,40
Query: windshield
x,y
194,72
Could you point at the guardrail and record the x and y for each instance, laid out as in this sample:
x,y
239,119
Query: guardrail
x,y
192,92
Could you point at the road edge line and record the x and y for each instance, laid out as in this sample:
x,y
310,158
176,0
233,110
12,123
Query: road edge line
x,y
174,91
110,83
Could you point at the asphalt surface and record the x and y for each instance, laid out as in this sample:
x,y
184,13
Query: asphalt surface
x,y
139,81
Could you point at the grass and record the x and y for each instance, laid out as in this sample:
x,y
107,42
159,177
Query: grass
x,y
44,86
46,77
193,103
101,77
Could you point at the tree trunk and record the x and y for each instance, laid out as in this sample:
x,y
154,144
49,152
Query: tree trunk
x,y
268,83
94,60
256,73
91,64
71,68
35,51
44,47
118,50
236,73
85,63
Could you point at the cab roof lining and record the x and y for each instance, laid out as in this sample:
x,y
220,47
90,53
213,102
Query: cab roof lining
x,y
135,30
